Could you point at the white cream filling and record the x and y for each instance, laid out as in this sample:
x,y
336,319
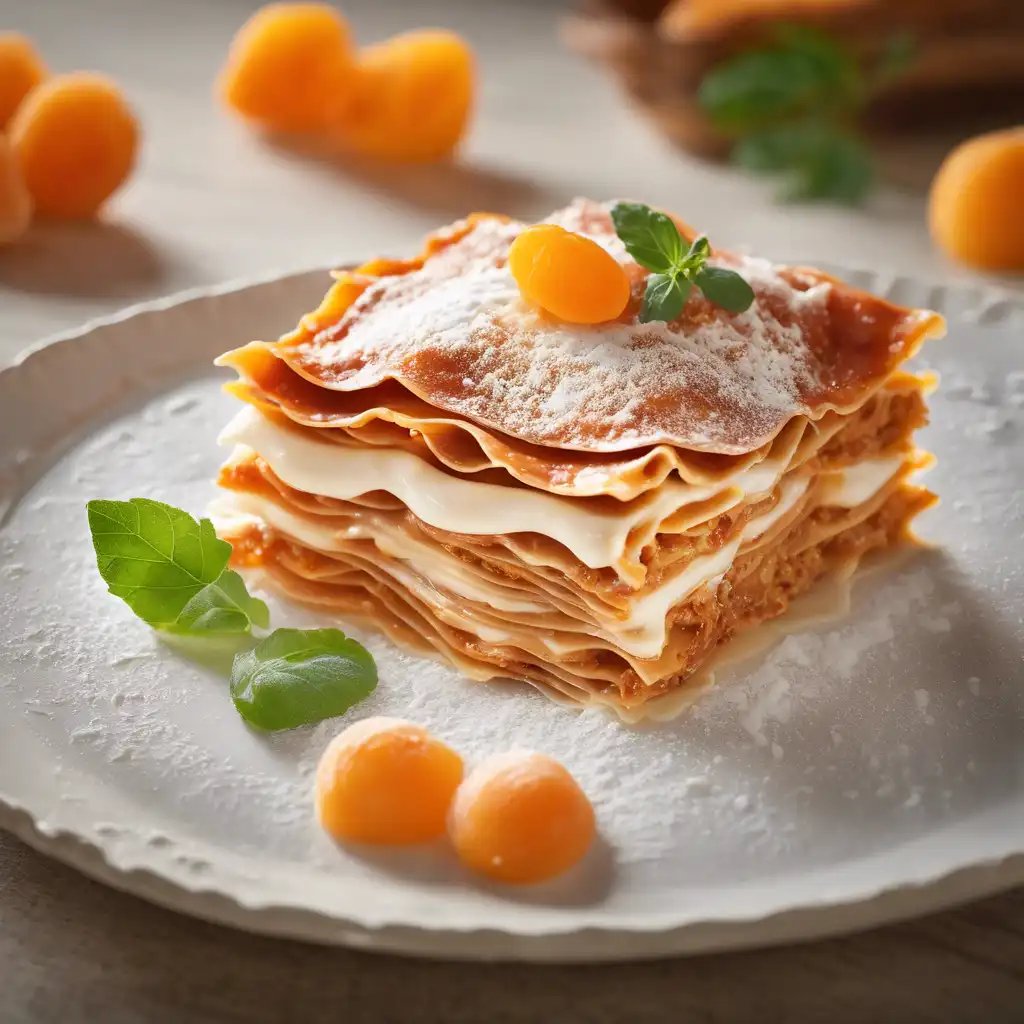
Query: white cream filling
x,y
790,493
851,487
432,563
642,633
466,506
458,505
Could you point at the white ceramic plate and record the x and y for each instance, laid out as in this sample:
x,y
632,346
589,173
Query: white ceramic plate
x,y
859,772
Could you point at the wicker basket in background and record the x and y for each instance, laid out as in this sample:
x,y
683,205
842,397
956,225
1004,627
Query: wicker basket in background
x,y
968,64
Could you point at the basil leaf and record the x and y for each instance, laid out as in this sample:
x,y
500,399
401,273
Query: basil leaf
x,y
822,160
770,150
300,676
664,298
697,254
725,288
790,106
832,165
163,563
839,82
753,89
650,237
222,607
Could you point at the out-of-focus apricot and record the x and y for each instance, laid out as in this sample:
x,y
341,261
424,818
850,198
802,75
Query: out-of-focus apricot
x,y
15,202
287,65
386,781
521,818
75,138
21,70
976,207
568,274
411,99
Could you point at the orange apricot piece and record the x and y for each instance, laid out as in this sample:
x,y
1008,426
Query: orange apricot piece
x,y
569,275
76,139
521,818
976,205
21,70
411,99
286,66
15,202
386,781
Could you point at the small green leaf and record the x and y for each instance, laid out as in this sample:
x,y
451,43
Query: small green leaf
x,y
222,607
664,298
650,237
768,151
757,88
832,64
696,256
298,676
790,106
833,165
164,565
725,288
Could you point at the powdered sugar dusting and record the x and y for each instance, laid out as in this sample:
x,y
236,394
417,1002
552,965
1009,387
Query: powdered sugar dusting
x,y
457,333
108,692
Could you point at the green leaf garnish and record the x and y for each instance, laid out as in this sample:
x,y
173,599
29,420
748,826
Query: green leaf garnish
x,y
792,106
654,241
170,569
725,289
300,676
223,607
650,237
818,160
664,298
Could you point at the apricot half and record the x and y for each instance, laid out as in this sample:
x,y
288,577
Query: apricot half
x,y
286,66
976,207
21,70
411,98
521,818
386,781
75,139
568,274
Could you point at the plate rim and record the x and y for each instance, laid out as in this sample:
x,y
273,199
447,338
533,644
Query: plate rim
x,y
811,919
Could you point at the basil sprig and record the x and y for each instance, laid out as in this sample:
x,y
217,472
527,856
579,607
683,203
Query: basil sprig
x,y
792,107
653,240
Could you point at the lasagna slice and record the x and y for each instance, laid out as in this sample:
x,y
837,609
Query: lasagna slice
x,y
594,509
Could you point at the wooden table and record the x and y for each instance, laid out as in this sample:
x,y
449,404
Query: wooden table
x,y
212,202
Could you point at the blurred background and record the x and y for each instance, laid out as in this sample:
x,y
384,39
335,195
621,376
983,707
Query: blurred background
x,y
600,98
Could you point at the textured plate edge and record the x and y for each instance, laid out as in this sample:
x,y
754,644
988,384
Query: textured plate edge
x,y
946,887
803,923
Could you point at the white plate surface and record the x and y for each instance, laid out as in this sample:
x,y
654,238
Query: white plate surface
x,y
861,771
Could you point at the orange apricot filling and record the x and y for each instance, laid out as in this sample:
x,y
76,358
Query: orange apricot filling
x,y
386,781
75,139
521,818
568,275
976,206
287,65
21,70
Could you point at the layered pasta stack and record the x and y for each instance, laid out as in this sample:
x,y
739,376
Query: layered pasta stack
x,y
594,509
